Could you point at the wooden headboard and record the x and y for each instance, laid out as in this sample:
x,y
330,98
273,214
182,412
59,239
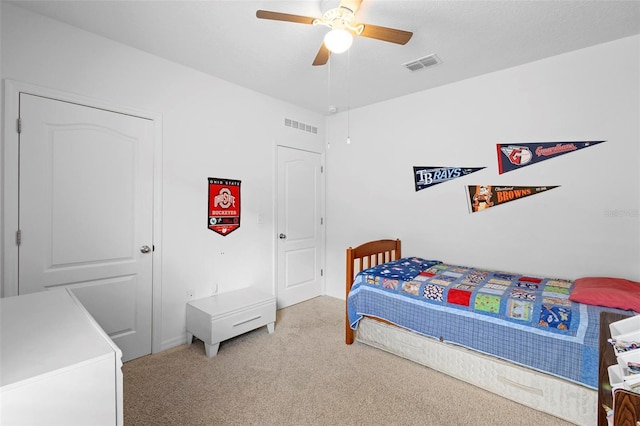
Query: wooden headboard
x,y
366,256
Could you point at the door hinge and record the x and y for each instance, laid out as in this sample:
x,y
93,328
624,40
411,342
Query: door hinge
x,y
322,272
321,169
19,125
322,221
18,237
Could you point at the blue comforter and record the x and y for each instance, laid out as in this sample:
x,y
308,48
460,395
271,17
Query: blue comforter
x,y
524,319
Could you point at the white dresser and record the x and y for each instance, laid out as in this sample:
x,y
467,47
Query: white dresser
x,y
57,366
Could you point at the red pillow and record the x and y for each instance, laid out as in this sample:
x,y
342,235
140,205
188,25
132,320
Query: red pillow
x,y
610,292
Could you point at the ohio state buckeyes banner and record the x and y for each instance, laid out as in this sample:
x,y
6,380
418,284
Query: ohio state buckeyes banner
x,y
482,197
427,176
224,205
517,155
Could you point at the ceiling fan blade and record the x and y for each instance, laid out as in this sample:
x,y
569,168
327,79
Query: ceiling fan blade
x,y
277,16
323,56
386,34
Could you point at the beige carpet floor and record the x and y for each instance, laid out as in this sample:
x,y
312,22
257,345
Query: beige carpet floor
x,y
304,374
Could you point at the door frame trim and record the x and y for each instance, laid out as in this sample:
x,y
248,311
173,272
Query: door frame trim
x,y
9,207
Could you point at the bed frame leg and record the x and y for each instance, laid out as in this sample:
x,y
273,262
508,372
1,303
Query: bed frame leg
x,y
348,335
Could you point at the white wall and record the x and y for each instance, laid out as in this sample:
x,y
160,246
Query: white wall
x,y
210,128
589,226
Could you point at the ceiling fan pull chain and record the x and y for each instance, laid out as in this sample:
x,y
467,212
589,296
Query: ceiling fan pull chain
x,y
348,97
332,109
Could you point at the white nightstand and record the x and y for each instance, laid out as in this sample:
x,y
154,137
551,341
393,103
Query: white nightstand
x,y
226,315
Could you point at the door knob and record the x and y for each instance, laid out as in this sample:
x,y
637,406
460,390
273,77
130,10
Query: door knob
x,y
282,236
145,249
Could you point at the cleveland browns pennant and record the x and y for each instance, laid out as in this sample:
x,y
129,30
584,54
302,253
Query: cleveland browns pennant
x,y
224,205
482,197
514,156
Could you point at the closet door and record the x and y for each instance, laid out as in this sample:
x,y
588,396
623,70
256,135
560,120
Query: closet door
x,y
86,213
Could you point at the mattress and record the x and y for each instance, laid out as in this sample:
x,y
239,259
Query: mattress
x,y
569,401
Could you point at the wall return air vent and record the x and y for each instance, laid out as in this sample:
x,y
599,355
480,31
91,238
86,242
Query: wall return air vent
x,y
300,126
422,63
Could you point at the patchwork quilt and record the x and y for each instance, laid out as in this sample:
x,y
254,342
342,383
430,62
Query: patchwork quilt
x,y
527,320
537,302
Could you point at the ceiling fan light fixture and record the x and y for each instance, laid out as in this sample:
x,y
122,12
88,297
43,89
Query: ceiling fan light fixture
x,y
338,40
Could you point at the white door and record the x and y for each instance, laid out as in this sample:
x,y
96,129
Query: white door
x,y
86,213
299,226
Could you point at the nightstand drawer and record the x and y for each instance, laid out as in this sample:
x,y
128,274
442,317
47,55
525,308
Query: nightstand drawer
x,y
237,323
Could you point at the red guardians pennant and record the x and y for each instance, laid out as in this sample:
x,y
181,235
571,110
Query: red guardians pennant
x,y
514,156
224,205
482,197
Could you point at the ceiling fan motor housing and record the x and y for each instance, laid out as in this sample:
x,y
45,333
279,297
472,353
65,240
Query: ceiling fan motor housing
x,y
342,17
351,5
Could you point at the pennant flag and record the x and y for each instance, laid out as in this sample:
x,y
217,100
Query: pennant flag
x,y
224,205
482,197
427,176
516,156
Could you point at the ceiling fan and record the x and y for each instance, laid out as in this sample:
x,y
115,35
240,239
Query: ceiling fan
x,y
341,20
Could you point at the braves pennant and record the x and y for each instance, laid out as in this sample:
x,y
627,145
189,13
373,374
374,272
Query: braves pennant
x,y
518,155
482,197
224,205
427,176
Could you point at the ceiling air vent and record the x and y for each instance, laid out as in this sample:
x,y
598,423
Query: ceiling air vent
x,y
422,63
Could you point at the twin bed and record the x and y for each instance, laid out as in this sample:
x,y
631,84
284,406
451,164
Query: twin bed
x,y
516,335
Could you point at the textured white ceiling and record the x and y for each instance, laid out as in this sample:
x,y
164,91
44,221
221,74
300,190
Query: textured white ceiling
x,y
226,40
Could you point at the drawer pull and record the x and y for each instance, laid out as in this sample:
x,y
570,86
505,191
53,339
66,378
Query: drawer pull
x,y
246,321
